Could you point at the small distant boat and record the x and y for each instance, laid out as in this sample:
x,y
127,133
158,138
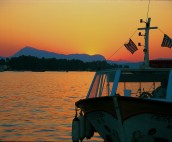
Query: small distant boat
x,y
128,105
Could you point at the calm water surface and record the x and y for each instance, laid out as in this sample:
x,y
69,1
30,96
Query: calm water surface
x,y
39,106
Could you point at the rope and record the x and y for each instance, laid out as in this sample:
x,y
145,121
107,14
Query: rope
x,y
161,31
122,45
115,52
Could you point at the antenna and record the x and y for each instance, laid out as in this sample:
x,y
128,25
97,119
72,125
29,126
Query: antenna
x,y
148,9
146,45
146,36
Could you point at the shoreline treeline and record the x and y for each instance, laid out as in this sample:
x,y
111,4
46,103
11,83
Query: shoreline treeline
x,y
31,63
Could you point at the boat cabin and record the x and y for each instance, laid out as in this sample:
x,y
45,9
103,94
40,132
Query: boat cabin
x,y
143,83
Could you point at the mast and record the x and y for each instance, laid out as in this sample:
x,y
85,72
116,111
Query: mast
x,y
146,45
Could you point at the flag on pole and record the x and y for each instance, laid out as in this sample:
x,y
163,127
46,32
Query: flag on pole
x,y
167,41
131,46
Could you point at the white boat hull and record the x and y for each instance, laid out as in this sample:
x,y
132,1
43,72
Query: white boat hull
x,y
132,120
139,128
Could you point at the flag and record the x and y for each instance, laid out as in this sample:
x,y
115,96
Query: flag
x,y
131,46
167,41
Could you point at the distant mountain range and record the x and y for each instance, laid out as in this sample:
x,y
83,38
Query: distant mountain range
x,y
83,57
46,54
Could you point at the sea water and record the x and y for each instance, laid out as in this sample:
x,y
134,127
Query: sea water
x,y
39,106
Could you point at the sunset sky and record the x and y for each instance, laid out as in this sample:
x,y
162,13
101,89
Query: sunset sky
x,y
83,26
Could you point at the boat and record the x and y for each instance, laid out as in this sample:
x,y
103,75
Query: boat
x,y
128,105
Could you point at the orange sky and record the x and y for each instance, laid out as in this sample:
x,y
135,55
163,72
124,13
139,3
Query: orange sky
x,y
83,26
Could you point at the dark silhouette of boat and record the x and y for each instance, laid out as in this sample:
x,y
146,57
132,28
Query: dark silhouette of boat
x,y
128,105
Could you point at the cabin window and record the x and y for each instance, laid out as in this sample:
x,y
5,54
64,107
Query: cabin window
x,y
137,89
146,84
101,86
131,83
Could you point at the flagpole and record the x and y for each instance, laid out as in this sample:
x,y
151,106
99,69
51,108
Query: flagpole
x,y
146,45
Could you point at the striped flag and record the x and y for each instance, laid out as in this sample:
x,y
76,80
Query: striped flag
x,y
131,46
167,41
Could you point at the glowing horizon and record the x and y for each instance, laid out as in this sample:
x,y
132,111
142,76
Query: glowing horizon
x,y
78,26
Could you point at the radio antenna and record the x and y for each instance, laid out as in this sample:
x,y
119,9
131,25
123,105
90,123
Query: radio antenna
x,y
146,37
148,10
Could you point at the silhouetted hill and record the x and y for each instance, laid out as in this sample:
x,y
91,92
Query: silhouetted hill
x,y
46,54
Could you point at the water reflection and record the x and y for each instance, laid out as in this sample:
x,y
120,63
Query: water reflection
x,y
40,106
